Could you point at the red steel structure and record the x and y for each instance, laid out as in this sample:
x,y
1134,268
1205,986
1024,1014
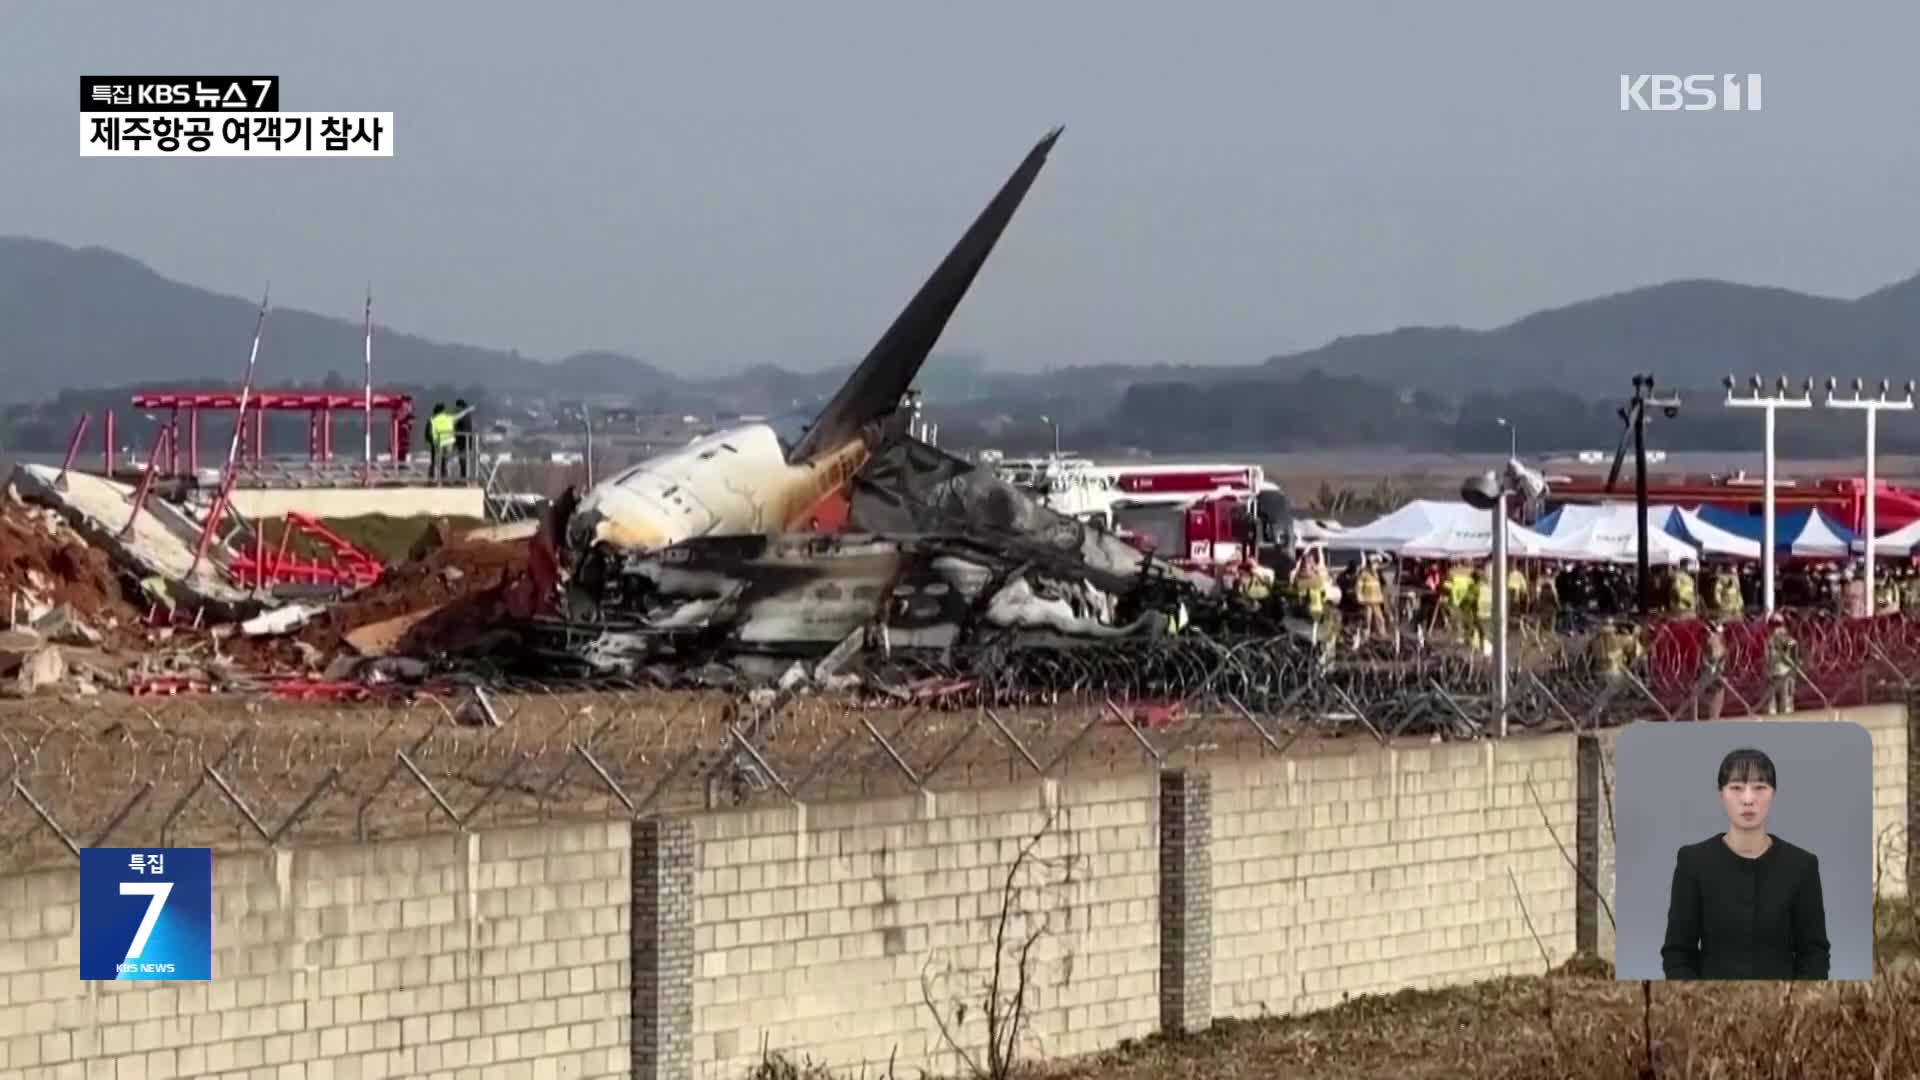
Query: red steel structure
x,y
319,406
344,564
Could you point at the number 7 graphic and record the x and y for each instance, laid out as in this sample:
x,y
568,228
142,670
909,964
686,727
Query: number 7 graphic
x,y
158,890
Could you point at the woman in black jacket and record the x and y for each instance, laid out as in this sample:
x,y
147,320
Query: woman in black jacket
x,y
1746,904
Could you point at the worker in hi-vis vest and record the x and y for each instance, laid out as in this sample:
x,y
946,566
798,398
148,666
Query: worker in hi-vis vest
x,y
1684,598
1480,595
1710,687
439,440
1783,665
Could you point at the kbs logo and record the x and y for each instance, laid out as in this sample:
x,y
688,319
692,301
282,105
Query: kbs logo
x,y
146,914
1689,93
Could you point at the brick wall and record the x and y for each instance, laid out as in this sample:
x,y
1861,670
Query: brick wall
x,y
1381,869
826,930
458,956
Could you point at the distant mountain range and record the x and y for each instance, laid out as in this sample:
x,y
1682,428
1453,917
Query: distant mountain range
x,y
77,317
1689,333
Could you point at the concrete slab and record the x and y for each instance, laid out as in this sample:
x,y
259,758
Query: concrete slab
x,y
504,534
260,504
162,541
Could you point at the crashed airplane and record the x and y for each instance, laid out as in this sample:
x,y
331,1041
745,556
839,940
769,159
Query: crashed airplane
x,y
757,544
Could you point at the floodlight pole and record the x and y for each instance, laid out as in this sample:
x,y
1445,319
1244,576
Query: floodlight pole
x,y
1871,407
1500,600
1769,403
1643,399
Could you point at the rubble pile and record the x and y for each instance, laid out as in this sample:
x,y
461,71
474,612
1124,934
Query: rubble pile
x,y
76,622
448,593
159,540
45,565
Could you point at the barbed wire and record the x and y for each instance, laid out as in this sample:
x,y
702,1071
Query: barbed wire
x,y
235,773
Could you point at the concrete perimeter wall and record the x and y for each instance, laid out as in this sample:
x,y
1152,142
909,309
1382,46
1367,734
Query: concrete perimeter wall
x,y
478,956
850,933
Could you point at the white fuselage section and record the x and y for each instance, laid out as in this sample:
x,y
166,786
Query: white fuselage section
x,y
732,483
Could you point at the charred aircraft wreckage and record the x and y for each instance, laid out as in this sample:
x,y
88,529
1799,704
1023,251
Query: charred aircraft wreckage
x,y
843,541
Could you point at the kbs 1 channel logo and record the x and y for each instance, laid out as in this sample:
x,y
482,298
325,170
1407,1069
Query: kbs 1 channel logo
x,y
1690,93
217,116
146,913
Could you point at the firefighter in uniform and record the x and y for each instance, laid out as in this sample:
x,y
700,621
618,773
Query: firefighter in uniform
x,y
1886,595
1910,592
1481,595
1518,592
1313,588
1327,626
1684,597
1853,596
1256,583
1373,601
1453,611
1306,592
1728,604
1713,670
1618,651
1783,658
1546,598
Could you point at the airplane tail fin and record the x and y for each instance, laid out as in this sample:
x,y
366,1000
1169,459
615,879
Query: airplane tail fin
x,y
876,386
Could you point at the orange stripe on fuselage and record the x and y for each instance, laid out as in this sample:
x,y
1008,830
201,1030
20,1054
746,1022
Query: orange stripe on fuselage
x,y
820,502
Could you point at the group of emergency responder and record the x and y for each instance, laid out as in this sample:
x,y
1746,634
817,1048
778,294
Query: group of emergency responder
x,y
1619,650
1366,602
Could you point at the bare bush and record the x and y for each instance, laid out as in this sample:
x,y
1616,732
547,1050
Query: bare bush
x,y
1002,998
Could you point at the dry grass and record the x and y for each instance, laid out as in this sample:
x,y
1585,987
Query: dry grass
x,y
1577,1021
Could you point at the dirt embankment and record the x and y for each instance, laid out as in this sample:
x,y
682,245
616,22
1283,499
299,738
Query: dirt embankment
x,y
462,578
45,564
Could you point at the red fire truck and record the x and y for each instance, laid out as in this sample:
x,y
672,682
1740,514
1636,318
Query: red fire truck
x,y
1199,515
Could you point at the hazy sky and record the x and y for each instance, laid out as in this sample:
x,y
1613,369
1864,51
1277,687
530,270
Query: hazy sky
x,y
716,185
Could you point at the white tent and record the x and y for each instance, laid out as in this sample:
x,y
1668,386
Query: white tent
x,y
1824,538
1898,544
1429,529
1610,532
1576,517
1672,521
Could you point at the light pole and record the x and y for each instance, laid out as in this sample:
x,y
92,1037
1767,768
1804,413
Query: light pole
x,y
1513,437
1769,403
1870,406
1634,419
1489,491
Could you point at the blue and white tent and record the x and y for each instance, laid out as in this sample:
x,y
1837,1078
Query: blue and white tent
x,y
1610,532
1805,534
1711,539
